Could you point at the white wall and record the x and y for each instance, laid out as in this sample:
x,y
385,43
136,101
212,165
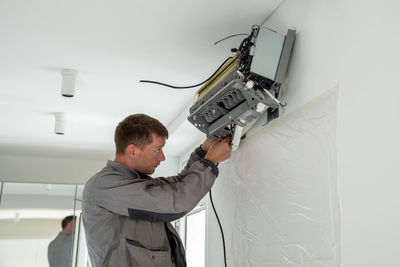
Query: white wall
x,y
28,237
62,169
46,169
354,44
24,252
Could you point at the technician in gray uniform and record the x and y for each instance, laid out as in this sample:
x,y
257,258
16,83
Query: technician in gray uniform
x,y
59,251
127,214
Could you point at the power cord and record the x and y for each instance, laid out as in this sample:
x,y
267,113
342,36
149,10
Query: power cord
x,y
220,227
186,87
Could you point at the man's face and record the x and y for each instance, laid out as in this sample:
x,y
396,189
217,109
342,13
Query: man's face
x,y
70,227
148,158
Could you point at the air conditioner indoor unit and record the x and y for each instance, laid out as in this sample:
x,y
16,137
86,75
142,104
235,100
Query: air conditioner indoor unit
x,y
245,90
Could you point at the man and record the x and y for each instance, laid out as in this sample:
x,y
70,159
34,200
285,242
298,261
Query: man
x,y
127,214
59,251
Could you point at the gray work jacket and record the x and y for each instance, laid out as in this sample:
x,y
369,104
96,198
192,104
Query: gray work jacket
x,y
59,251
127,215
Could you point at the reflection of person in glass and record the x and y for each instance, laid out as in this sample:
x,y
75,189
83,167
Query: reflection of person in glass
x,y
59,251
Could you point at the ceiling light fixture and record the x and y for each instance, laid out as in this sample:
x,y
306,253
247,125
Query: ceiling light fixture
x,y
59,127
68,82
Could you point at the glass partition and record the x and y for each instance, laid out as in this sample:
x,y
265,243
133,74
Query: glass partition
x,y
195,237
81,257
30,218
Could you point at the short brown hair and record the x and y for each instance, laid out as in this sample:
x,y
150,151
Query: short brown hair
x,y
66,221
137,129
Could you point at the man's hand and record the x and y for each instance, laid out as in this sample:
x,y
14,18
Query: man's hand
x,y
219,150
207,144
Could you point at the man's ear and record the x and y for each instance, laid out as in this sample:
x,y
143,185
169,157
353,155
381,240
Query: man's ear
x,y
130,149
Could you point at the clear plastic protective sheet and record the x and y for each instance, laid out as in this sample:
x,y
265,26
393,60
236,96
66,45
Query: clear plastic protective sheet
x,y
277,196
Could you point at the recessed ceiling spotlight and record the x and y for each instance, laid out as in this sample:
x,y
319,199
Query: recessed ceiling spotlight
x,y
68,82
59,127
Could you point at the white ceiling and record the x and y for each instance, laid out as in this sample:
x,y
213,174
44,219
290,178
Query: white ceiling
x,y
112,44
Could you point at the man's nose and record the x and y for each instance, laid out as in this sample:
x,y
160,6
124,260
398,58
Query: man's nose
x,y
162,156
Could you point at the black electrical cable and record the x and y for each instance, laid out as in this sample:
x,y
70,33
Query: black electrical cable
x,y
220,227
186,87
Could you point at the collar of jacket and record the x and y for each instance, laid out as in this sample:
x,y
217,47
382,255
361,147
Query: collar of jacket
x,y
126,170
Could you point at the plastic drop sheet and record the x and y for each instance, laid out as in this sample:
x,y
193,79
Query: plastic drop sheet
x,y
277,196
